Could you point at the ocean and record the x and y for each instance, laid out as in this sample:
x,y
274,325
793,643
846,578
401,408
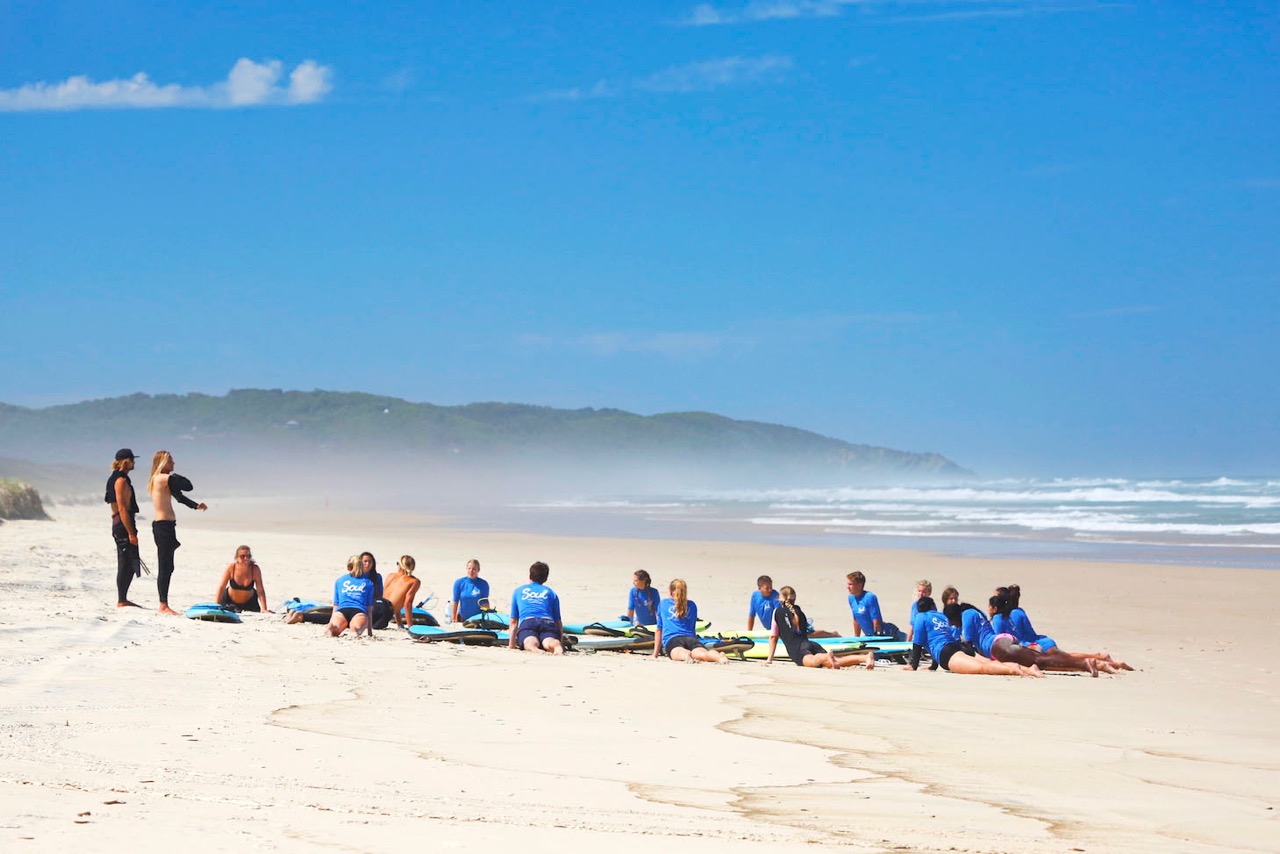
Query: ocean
x,y
1204,521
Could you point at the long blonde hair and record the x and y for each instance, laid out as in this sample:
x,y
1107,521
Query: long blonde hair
x,y
407,564
680,593
355,567
157,463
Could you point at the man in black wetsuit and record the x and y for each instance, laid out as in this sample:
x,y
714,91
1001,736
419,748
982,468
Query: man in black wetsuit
x,y
124,528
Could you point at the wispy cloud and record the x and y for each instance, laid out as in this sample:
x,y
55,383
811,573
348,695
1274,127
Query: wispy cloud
x,y
682,79
601,89
1118,311
248,84
710,15
717,73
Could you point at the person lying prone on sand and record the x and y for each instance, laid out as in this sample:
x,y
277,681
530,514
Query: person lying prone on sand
x,y
931,631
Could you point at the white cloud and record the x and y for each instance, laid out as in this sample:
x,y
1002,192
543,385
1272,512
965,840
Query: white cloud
x,y
707,14
670,344
309,83
249,84
601,89
716,73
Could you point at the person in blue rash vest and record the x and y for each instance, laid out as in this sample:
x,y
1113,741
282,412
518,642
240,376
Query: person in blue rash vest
x,y
867,619
791,626
931,630
535,615
975,629
352,600
763,603
1007,617
467,593
642,600
677,634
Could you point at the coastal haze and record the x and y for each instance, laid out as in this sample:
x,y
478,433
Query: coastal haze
x,y
978,293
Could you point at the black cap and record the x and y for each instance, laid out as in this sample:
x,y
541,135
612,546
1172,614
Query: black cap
x,y
125,454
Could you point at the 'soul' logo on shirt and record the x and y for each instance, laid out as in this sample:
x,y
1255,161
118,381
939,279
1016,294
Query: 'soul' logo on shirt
x,y
528,594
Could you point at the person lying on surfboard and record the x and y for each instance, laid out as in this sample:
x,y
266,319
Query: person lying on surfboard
x,y
240,588
677,635
535,615
400,589
792,627
352,600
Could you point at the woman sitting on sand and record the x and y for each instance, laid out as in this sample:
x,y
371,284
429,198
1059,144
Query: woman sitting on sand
x,y
642,600
932,631
352,600
400,589
240,587
468,592
677,634
791,625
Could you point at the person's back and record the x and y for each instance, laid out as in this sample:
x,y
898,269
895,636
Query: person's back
x,y
932,631
400,589
976,629
535,601
672,624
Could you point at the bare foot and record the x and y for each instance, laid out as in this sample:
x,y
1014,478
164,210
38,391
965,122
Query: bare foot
x,y
1105,667
1092,667
1033,671
165,609
871,661
127,604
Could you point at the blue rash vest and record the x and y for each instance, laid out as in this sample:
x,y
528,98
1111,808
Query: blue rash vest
x,y
866,611
673,626
1025,632
467,594
763,607
534,601
977,630
645,604
931,630
349,592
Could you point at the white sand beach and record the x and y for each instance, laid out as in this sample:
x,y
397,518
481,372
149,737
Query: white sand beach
x,y
126,730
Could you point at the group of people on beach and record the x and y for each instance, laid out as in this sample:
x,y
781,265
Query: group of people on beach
x,y
960,638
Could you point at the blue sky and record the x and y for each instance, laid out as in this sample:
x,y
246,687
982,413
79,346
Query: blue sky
x,y
1037,237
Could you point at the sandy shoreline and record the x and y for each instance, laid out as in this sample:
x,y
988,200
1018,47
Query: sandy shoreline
x,y
270,737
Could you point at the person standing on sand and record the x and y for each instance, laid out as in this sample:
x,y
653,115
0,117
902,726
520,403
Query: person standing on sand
x,y
164,486
124,529
400,589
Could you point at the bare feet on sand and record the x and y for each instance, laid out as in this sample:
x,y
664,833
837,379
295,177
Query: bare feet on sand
x,y
127,604
165,609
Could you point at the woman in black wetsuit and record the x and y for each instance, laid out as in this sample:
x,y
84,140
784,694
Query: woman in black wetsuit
x,y
240,587
792,626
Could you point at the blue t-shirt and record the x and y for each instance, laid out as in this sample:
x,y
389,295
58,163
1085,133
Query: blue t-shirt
x,y
645,604
931,630
763,607
467,595
673,626
976,629
866,611
349,592
534,601
1021,628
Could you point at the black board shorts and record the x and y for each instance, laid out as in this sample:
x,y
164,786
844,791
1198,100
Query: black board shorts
x,y
944,655
681,642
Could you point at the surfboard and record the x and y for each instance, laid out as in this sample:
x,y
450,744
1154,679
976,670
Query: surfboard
x,y
488,620
761,651
729,646
423,617
621,643
309,611
212,612
470,637
603,628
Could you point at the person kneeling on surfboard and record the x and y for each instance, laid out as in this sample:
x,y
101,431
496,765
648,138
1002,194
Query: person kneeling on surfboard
x,y
792,626
535,615
240,587
352,600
